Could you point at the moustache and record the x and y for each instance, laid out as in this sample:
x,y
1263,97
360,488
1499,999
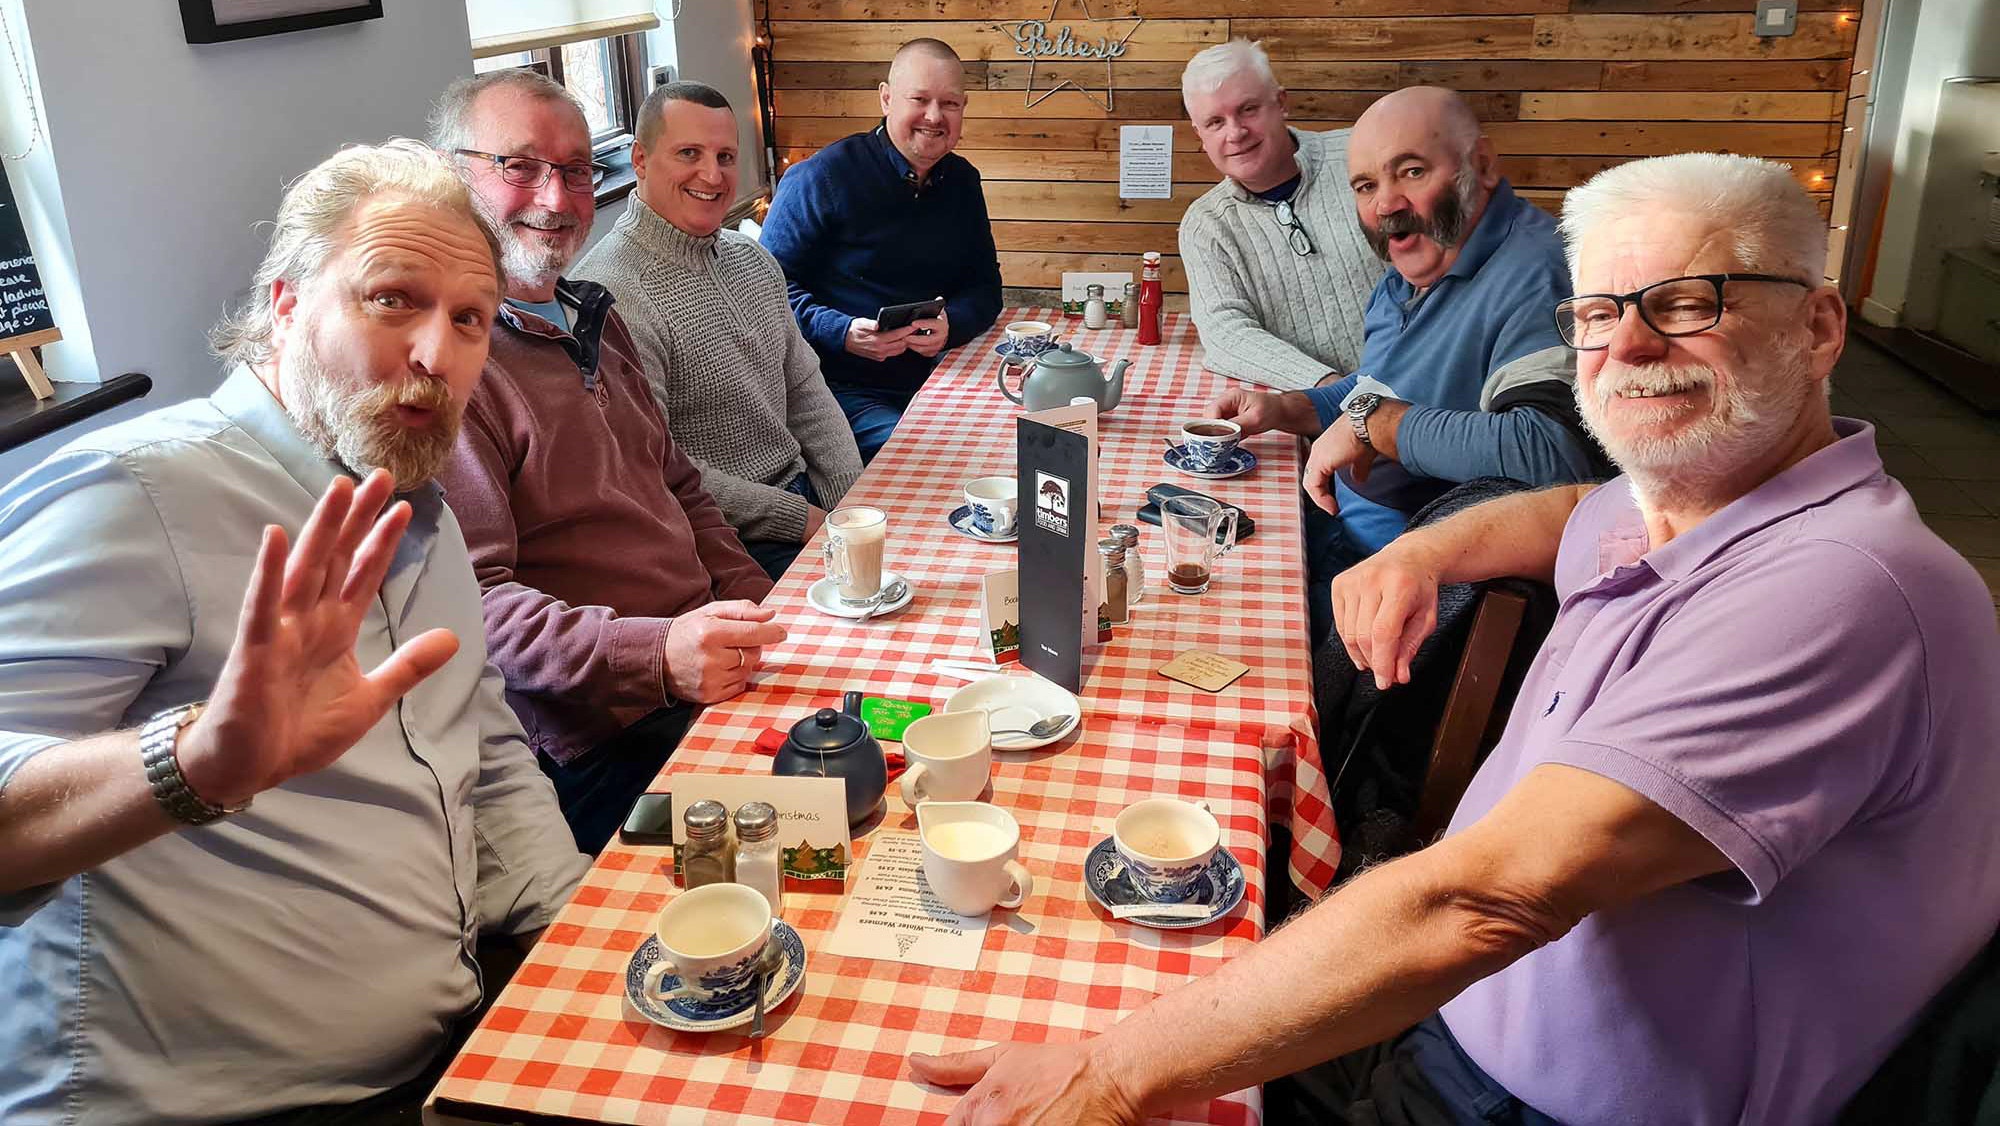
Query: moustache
x,y
1616,381
1446,227
537,217
408,391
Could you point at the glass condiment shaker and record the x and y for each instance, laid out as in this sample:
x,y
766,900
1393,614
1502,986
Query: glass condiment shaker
x,y
1128,309
1116,607
709,856
1093,306
1135,564
757,859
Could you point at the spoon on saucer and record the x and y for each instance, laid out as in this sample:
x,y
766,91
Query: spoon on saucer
x,y
1042,728
767,964
887,596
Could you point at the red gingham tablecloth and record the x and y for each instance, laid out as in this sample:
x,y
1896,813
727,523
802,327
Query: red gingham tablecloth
x,y
560,1041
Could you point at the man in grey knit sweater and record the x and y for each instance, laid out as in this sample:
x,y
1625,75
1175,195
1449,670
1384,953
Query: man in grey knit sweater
x,y
740,387
1278,270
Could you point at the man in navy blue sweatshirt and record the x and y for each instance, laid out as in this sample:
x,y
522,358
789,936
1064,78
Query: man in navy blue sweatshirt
x,y
889,217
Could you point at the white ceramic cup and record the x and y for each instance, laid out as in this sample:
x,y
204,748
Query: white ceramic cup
x,y
711,937
1166,844
995,502
950,756
969,856
1030,338
1208,442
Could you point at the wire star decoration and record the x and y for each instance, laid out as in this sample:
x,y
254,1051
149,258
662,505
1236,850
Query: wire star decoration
x,y
1031,38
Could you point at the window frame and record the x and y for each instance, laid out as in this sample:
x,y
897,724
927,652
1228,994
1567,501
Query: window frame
x,y
610,146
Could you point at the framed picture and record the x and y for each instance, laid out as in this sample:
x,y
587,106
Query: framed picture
x,y
213,21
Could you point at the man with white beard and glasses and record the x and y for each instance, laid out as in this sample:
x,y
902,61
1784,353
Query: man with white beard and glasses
x,y
1739,828
245,877
617,596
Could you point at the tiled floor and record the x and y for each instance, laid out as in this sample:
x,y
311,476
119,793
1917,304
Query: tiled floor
x,y
1944,452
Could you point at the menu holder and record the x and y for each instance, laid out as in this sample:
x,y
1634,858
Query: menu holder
x,y
1000,616
1061,574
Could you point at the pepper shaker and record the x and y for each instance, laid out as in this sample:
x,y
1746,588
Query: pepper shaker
x,y
709,857
1135,564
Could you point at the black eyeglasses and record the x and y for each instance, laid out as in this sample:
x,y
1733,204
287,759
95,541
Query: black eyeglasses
x,y
1675,307
1295,232
530,172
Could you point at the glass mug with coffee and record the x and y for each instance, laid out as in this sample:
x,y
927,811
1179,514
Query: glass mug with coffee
x,y
1198,529
1208,443
856,538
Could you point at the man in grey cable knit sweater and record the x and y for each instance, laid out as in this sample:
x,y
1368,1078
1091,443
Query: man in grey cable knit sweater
x,y
1278,270
740,387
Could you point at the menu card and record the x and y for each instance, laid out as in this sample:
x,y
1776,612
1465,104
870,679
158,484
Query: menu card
x,y
1061,573
892,915
1000,616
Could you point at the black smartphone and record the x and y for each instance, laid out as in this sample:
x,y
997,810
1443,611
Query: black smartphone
x,y
1150,512
889,318
651,821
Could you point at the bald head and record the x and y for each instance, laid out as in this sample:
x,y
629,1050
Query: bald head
x,y
935,51
1422,173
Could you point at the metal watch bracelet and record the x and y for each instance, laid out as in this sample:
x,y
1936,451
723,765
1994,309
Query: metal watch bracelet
x,y
158,742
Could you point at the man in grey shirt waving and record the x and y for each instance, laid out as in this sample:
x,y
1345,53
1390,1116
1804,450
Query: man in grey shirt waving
x,y
243,876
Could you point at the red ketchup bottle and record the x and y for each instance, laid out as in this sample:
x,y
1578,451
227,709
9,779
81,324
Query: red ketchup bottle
x,y
1151,299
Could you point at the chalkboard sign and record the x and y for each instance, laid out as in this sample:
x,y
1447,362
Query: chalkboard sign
x,y
25,319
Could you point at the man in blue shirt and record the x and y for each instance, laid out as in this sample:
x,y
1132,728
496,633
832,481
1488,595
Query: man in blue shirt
x,y
1462,373
883,218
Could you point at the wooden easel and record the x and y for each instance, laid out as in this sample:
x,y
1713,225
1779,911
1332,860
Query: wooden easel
x,y
21,348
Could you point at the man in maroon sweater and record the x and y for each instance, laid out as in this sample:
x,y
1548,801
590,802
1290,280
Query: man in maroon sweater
x,y
616,596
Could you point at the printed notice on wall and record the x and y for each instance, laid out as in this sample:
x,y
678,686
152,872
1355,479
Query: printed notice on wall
x,y
892,915
1145,162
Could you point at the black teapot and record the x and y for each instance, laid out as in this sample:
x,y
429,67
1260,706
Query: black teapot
x,y
837,744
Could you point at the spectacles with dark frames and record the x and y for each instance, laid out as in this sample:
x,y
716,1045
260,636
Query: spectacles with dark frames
x,y
1675,307
531,172
1295,231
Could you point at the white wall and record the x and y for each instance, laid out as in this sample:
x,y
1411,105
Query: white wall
x,y
711,42
166,154
1953,38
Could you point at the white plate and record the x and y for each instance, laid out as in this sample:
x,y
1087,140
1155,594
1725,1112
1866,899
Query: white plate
x,y
825,597
1017,702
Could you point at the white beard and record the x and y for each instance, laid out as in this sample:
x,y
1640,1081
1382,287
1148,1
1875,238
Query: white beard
x,y
350,424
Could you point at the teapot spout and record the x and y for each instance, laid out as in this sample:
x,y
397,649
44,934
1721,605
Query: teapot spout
x,y
1115,384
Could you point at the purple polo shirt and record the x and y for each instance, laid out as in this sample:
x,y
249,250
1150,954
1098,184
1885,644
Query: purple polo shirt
x,y
1810,679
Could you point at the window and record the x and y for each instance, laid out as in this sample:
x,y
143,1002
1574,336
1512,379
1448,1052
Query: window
x,y
609,77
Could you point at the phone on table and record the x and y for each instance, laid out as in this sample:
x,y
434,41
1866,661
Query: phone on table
x,y
889,318
651,821
1158,494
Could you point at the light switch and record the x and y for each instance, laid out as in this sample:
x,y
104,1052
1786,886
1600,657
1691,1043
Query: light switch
x,y
1777,17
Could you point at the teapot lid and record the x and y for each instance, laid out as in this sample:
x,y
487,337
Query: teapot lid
x,y
1062,355
828,730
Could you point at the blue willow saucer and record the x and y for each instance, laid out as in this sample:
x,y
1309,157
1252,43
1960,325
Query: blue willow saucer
x,y
1220,888
1008,352
688,1015
961,522
1239,462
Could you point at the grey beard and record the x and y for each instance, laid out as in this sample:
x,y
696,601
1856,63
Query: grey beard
x,y
347,425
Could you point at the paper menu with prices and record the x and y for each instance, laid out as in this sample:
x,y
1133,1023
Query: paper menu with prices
x,y
891,915
1145,162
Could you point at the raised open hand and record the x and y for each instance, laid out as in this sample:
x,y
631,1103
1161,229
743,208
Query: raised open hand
x,y
291,697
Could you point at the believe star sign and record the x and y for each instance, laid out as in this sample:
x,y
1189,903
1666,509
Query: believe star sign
x,y
1035,40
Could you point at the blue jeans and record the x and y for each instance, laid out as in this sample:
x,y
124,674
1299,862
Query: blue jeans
x,y
872,413
776,555
596,789
1420,1078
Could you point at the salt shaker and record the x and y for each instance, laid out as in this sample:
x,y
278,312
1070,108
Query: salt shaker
x,y
757,851
1116,606
709,857
1093,306
1135,564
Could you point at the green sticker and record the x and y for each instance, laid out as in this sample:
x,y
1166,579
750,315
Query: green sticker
x,y
887,718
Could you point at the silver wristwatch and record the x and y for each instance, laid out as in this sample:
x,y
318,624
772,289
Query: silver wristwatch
x,y
157,752
1358,410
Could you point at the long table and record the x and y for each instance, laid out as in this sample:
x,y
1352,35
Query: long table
x,y
560,1041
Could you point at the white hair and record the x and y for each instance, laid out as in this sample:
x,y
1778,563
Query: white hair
x,y
1209,69
1772,223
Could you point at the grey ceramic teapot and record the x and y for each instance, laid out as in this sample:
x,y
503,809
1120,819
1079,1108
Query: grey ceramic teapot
x,y
837,744
1062,373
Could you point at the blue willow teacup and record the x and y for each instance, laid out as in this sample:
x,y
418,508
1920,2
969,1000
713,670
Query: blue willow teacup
x,y
711,938
1028,339
994,502
1166,845
1207,443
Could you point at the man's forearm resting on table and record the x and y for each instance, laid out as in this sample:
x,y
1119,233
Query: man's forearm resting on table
x,y
73,806
1511,536
1407,937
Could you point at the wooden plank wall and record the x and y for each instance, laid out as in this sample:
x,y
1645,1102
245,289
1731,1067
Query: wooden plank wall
x,y
1566,87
